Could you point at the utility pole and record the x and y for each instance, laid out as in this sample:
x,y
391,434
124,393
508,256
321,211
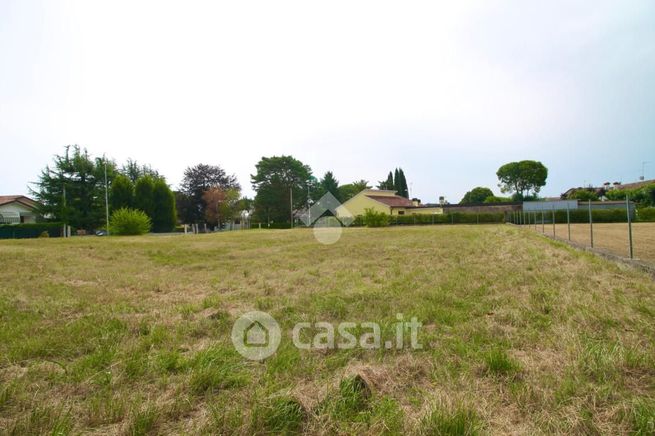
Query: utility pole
x,y
106,195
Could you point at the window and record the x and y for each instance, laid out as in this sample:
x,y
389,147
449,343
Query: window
x,y
401,212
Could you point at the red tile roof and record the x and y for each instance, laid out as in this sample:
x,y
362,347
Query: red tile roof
x,y
393,201
6,199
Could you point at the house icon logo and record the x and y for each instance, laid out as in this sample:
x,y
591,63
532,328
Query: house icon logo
x,y
256,335
327,227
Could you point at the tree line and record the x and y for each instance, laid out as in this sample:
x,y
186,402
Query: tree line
x,y
523,179
72,190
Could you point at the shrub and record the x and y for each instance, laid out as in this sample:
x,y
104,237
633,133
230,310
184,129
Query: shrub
x,y
373,218
129,222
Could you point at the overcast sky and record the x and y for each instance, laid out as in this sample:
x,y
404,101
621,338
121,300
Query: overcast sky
x,y
448,91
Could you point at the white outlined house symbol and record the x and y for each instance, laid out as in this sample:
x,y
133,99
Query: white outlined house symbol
x,y
327,203
256,335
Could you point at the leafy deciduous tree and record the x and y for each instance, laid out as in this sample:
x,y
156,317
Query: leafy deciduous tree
x,y
222,205
477,195
522,177
197,180
349,190
276,179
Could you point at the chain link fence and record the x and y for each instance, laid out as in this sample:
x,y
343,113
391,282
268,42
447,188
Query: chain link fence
x,y
627,232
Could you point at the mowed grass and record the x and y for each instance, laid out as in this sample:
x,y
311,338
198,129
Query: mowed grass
x,y
132,335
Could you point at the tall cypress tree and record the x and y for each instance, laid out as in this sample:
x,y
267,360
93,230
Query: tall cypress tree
x,y
164,216
402,184
397,182
389,181
329,184
121,193
144,195
73,189
387,184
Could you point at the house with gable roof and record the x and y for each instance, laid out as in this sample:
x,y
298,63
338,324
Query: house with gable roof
x,y
385,201
17,209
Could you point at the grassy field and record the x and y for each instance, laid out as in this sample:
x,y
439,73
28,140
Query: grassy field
x,y
611,237
521,335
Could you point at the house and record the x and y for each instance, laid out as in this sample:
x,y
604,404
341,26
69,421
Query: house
x,y
385,201
17,209
600,191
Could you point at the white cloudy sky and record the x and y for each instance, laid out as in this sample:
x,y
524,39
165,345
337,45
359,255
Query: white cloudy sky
x,y
448,91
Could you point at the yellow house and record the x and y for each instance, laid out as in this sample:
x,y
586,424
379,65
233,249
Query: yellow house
x,y
383,201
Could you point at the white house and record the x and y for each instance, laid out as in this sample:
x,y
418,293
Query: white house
x,y
16,209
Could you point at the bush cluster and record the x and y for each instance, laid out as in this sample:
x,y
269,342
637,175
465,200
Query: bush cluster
x,y
646,214
126,221
449,218
373,218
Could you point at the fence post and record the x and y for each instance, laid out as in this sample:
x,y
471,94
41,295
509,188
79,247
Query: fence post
x,y
553,214
477,218
591,225
535,220
543,225
568,219
627,205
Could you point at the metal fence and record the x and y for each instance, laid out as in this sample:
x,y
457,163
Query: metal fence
x,y
612,230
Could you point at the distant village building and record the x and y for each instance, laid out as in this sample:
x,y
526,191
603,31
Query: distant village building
x,y
17,209
385,201
600,191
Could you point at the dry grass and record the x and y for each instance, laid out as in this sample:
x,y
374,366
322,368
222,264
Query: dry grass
x,y
131,335
611,237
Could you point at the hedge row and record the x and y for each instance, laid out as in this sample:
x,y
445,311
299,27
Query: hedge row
x,y
646,214
578,216
451,218
31,230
